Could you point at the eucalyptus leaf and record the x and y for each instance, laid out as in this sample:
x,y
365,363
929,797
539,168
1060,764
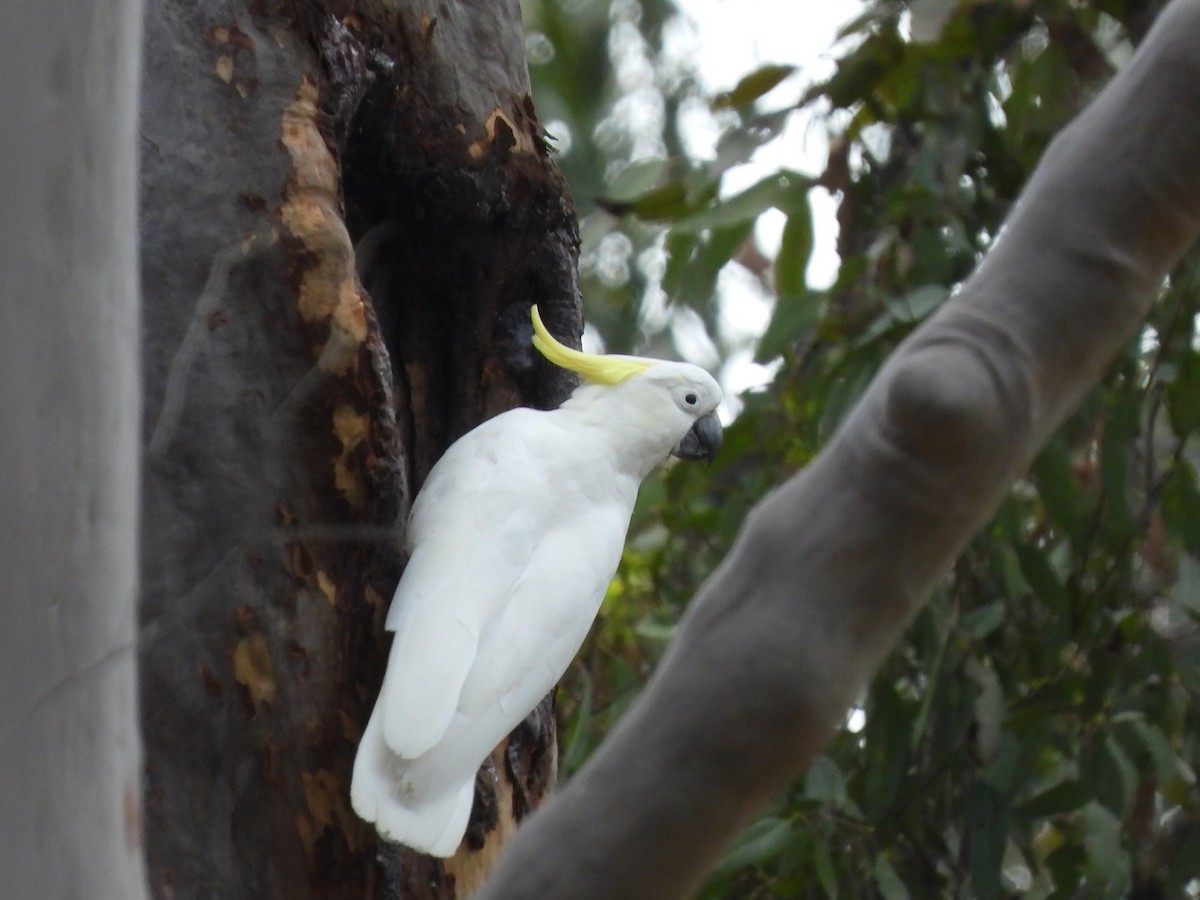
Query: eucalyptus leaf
x,y
753,86
1109,869
981,622
795,251
826,873
785,191
762,841
889,883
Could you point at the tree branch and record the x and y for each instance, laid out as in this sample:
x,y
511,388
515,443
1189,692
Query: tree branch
x,y
830,568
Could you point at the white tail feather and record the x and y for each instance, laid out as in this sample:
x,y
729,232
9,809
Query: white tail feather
x,y
434,826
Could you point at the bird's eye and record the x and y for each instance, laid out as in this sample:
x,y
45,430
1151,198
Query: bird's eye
x,y
690,399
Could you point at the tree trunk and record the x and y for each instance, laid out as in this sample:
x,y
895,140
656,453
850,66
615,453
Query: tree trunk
x,y
347,210
69,750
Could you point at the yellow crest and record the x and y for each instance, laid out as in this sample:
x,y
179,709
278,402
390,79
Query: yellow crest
x,y
598,369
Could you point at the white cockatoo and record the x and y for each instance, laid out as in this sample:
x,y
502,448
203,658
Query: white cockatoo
x,y
513,540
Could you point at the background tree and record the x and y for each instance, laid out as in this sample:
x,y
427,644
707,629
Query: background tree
x,y
347,210
1036,730
69,751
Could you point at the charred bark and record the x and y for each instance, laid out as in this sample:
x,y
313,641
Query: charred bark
x,y
298,392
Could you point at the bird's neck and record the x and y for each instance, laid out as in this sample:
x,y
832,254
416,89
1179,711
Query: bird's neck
x,y
625,433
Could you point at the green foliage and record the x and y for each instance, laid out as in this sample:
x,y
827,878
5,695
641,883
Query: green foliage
x,y
1038,732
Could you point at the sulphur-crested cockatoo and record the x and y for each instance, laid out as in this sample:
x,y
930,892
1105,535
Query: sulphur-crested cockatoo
x,y
513,540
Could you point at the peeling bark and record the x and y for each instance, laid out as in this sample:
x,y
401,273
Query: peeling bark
x,y
347,211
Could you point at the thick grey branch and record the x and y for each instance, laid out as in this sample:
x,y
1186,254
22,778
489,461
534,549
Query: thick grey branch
x,y
830,568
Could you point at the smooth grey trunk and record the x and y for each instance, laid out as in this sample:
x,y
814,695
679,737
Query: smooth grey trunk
x,y
831,567
70,751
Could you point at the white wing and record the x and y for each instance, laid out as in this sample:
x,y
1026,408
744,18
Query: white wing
x,y
472,533
527,649
514,538
377,794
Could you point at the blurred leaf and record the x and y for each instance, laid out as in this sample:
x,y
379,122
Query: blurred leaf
x,y
987,834
681,248
1120,775
1055,482
889,883
761,841
990,709
842,394
824,782
1066,796
1115,453
826,874
1016,747
887,743
1183,396
1181,506
795,251
858,73
691,276
928,18
657,204
979,623
1173,774
792,320
657,189
1184,863
784,190
916,306
752,86
930,692
1108,865
640,178
1041,577
738,144
655,631
575,745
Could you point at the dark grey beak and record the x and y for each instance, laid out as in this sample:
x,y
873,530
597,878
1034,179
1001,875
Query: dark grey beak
x,y
702,441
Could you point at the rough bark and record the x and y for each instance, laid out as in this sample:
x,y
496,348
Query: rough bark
x,y
297,393
69,748
831,567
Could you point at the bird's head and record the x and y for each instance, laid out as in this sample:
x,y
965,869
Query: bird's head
x,y
674,398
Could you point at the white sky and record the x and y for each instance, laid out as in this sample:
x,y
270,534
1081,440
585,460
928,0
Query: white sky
x,y
739,35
